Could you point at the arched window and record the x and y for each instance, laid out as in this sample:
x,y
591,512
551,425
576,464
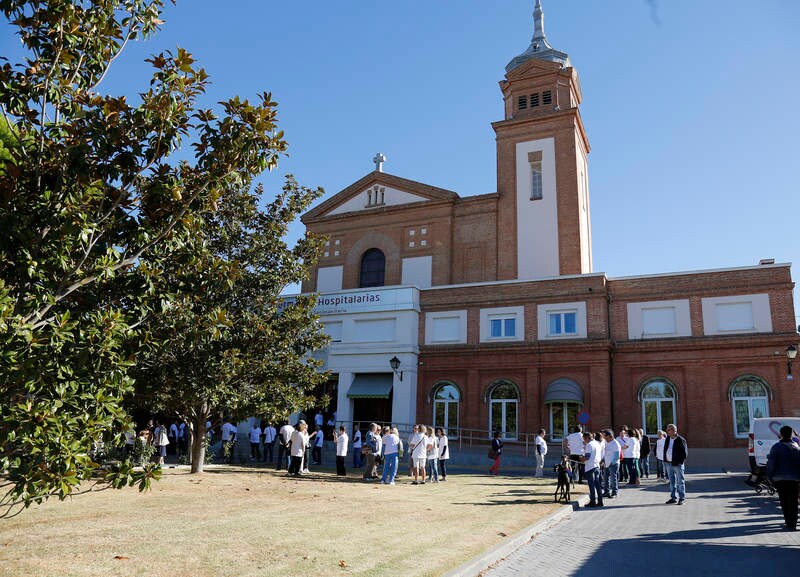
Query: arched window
x,y
373,268
503,405
445,408
750,399
658,405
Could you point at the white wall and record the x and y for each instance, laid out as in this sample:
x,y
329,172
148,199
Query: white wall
x,y
417,271
391,197
584,218
329,279
537,220
376,324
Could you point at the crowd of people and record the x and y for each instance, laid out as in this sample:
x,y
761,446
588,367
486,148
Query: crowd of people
x,y
603,461
377,451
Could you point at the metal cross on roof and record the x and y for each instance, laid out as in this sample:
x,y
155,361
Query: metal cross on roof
x,y
379,160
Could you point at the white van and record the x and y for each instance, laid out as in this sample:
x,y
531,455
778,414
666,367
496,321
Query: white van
x,y
766,432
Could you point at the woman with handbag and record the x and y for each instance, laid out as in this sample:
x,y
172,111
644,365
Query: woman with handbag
x,y
495,452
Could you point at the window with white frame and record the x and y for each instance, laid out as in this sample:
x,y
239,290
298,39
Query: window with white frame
x,y
562,320
734,316
562,323
658,406
750,400
535,161
503,406
502,324
445,408
446,327
737,314
659,319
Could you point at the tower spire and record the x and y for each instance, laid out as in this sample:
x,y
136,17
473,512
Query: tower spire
x,y
539,40
539,47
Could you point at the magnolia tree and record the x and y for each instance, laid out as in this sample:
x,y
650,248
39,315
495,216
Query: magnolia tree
x,y
226,343
102,227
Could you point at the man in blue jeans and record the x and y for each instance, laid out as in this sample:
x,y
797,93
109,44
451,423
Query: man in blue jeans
x,y
675,452
593,454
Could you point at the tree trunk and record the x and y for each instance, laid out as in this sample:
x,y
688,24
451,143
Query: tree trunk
x,y
199,441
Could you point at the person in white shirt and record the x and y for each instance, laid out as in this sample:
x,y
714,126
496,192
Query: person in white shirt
x,y
341,450
297,448
229,431
433,456
591,461
444,453
130,442
391,449
661,471
611,459
357,461
318,444
541,451
634,447
625,444
269,434
255,441
418,446
161,440
284,437
575,447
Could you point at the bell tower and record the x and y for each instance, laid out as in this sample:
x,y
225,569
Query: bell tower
x,y
542,167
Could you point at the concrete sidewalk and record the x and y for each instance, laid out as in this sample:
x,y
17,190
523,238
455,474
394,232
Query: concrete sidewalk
x,y
723,529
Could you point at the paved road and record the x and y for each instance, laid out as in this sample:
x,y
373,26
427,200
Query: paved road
x,y
724,529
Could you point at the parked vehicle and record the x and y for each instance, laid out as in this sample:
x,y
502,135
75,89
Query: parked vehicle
x,y
764,433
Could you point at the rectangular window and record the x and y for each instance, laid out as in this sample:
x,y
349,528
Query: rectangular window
x,y
562,323
502,327
334,330
659,321
735,316
536,180
522,103
547,97
534,100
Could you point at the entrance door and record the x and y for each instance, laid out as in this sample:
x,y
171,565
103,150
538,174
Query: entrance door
x,y
563,416
372,410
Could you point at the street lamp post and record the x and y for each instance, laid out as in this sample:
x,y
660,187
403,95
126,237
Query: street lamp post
x,y
791,353
394,362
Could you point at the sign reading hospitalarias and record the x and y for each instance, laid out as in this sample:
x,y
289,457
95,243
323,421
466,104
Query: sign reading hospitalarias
x,y
366,301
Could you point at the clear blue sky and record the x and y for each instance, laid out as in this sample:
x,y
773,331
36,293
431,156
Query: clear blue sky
x,y
691,106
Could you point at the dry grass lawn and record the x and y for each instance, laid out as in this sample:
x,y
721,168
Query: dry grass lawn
x,y
235,522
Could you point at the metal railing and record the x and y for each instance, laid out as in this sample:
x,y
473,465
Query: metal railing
x,y
464,437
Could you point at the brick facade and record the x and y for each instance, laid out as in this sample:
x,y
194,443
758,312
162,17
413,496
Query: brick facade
x,y
607,365
473,246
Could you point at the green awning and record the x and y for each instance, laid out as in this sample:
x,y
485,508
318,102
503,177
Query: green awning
x,y
371,386
563,391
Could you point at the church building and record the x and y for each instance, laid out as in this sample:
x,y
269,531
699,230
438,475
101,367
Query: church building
x,y
483,313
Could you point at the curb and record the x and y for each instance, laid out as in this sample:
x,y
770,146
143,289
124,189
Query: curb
x,y
475,566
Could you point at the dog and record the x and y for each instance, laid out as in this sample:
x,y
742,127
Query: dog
x,y
564,474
